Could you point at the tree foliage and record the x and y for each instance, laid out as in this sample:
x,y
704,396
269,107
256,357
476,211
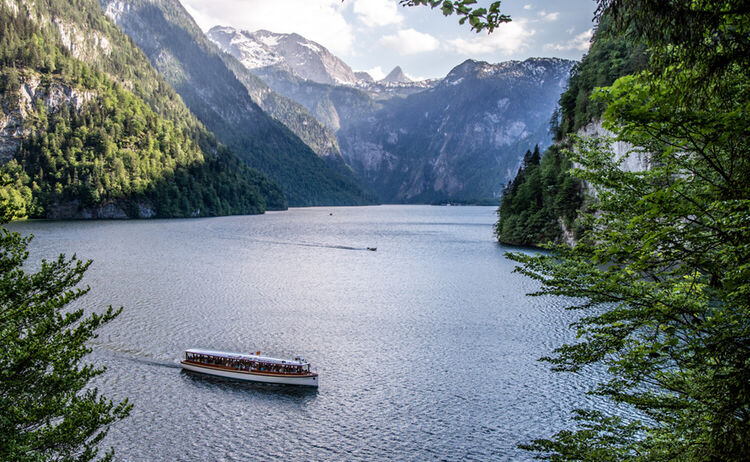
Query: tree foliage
x,y
478,18
610,56
662,272
712,36
541,194
47,409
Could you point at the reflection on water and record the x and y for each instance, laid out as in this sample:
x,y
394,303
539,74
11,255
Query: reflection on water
x,y
226,385
427,348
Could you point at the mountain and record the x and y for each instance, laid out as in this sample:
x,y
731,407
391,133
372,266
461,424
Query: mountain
x,y
454,139
292,114
460,140
201,74
396,76
304,58
364,77
333,104
88,128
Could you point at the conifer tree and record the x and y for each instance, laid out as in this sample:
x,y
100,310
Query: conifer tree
x,y
47,409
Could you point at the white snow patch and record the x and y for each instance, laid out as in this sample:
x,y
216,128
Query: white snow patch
x,y
310,46
268,40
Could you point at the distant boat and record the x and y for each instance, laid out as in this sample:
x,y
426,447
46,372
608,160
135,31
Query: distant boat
x,y
250,367
372,248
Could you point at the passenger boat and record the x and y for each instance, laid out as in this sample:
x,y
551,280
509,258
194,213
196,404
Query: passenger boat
x,y
252,367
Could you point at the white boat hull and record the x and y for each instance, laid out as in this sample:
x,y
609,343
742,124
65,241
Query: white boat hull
x,y
306,380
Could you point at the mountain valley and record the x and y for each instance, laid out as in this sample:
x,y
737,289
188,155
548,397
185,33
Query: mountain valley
x,y
314,131
460,138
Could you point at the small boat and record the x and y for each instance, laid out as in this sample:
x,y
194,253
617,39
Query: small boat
x,y
250,367
372,249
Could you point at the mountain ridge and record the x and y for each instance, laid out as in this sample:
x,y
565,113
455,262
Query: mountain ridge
x,y
209,85
461,139
304,58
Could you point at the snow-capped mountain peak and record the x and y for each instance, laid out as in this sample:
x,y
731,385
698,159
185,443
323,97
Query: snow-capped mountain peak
x,y
305,58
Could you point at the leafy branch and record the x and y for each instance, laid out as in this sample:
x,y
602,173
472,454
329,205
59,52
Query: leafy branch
x,y
479,18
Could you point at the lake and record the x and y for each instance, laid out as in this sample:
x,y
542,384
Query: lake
x,y
427,349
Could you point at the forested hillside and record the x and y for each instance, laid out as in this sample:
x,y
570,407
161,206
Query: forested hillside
x,y
90,130
541,203
542,200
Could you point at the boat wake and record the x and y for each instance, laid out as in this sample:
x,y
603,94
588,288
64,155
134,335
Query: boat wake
x,y
134,356
213,229
155,362
310,244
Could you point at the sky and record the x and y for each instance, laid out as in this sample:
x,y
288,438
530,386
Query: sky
x,y
377,35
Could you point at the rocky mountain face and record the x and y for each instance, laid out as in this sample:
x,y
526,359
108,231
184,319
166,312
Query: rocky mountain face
x,y
461,140
292,52
226,98
291,113
334,105
336,98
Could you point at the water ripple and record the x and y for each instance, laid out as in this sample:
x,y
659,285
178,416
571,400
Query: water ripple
x,y
427,349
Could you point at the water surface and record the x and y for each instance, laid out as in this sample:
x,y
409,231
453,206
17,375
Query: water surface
x,y
426,348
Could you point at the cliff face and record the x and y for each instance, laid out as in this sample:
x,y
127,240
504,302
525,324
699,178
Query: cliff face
x,y
31,95
631,160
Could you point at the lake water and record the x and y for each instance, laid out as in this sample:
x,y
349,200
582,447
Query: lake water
x,y
427,348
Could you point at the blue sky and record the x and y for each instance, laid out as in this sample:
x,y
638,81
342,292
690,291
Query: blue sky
x,y
376,35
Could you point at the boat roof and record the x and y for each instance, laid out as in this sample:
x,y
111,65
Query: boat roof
x,y
265,359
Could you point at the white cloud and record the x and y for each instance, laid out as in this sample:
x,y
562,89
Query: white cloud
x,y
378,12
415,78
580,42
376,73
508,38
409,42
322,20
544,16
